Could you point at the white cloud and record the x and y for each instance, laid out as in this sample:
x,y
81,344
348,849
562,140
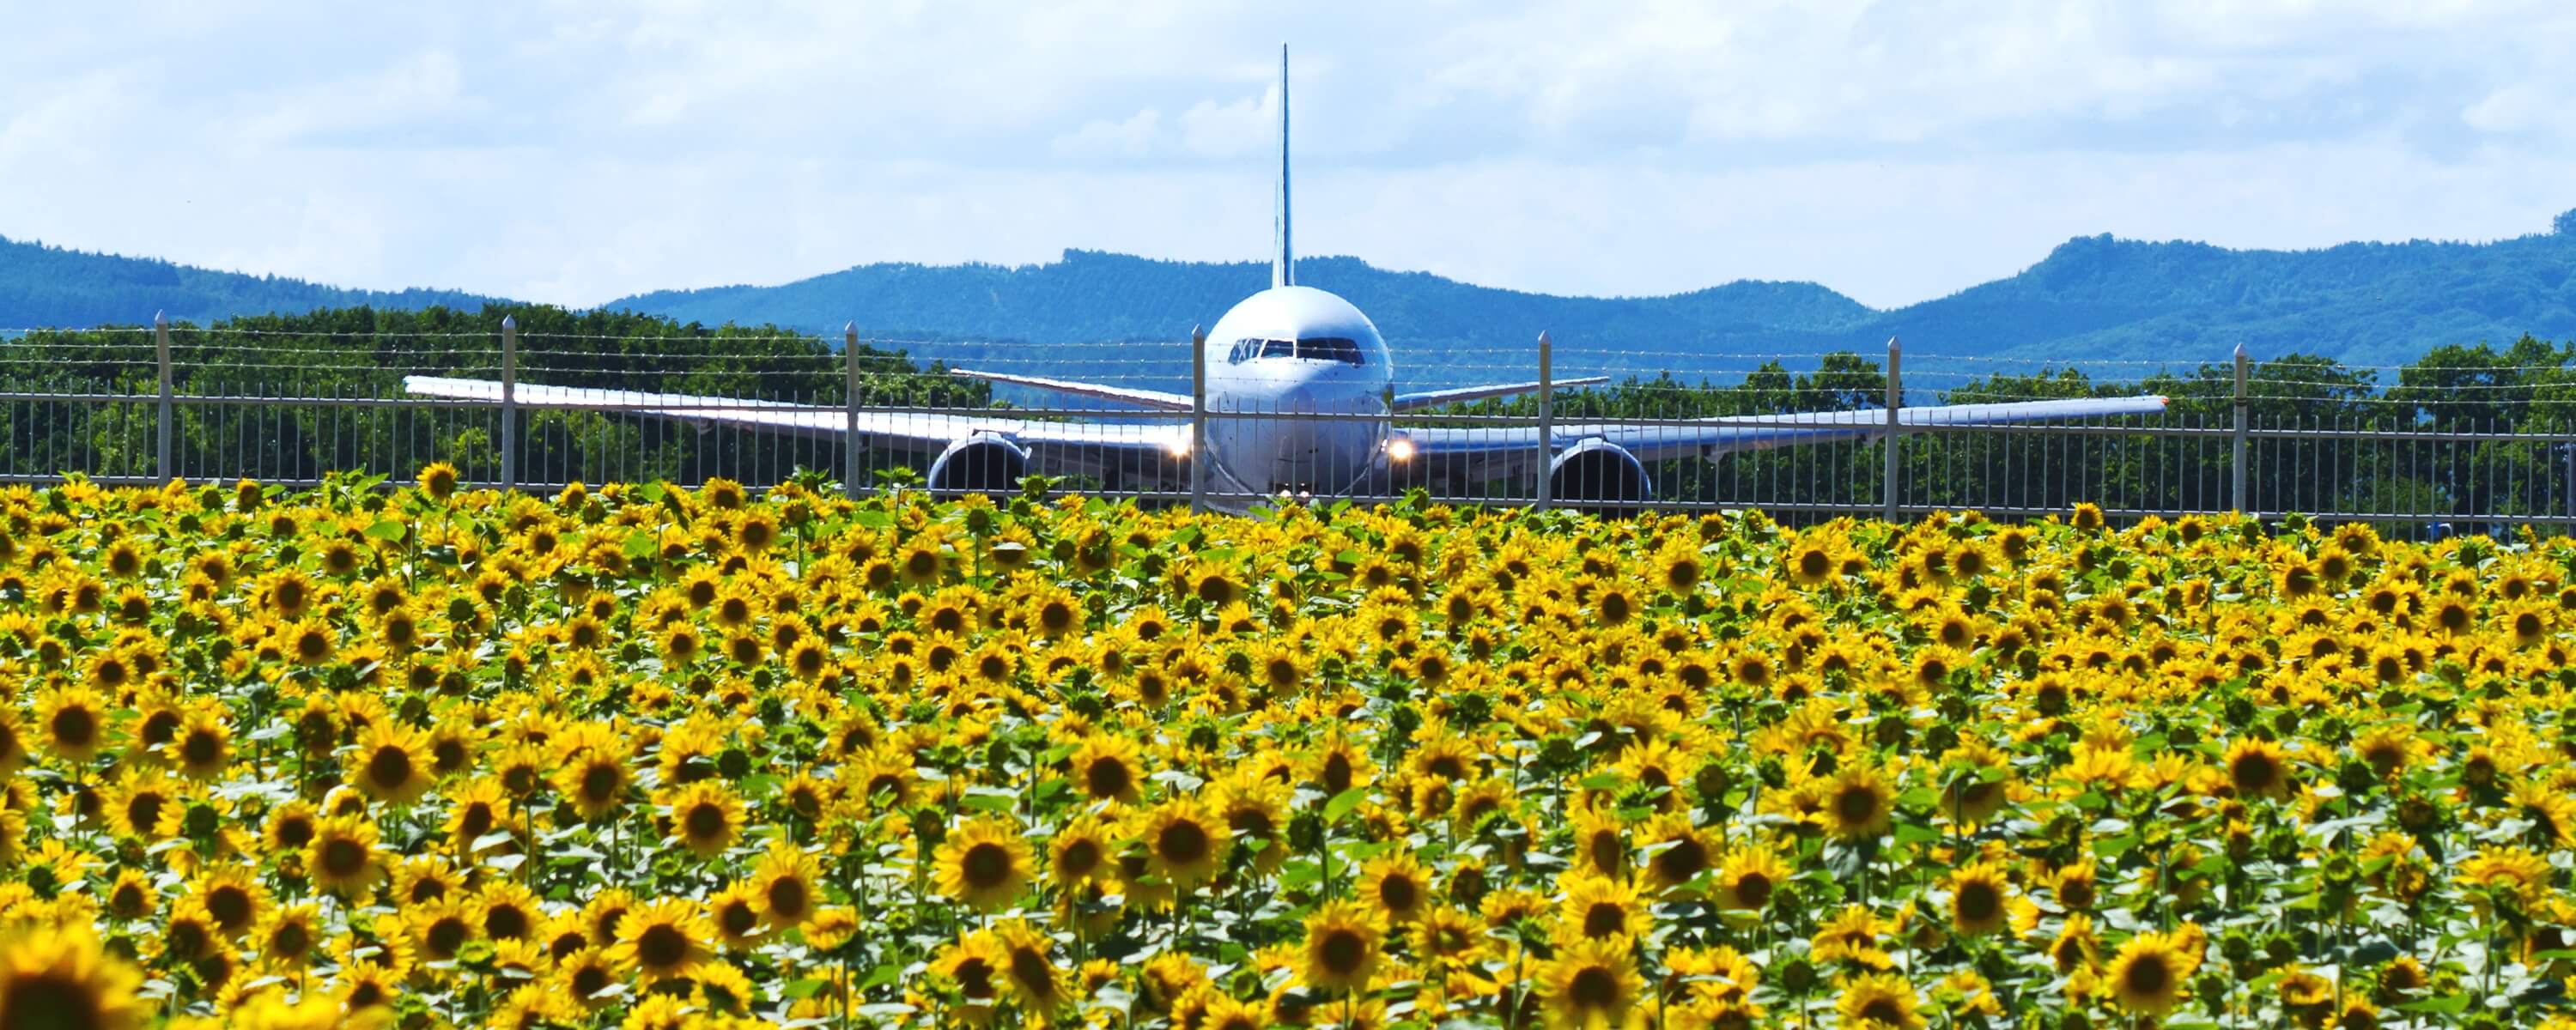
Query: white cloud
x,y
576,153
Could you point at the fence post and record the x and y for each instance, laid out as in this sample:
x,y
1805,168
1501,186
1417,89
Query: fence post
x,y
851,452
1198,419
2243,365
162,468
1895,400
1546,416
509,402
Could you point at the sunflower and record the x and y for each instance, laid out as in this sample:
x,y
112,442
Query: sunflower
x,y
1341,947
985,863
1078,853
1396,886
784,881
1880,1000
440,931
2258,768
438,480
735,914
391,764
661,939
1857,803
1028,965
1590,983
289,935
1184,845
1980,898
1676,851
706,817
73,721
974,963
146,805
1748,878
1600,907
202,745
2148,974
507,910
1105,767
342,854
234,895
596,782
61,977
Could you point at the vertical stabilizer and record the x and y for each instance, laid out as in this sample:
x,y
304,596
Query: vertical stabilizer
x,y
1283,265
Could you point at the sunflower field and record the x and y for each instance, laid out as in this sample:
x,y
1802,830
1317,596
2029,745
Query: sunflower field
x,y
652,757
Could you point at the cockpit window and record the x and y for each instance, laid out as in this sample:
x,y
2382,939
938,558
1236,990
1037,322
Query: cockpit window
x,y
1330,348
1316,348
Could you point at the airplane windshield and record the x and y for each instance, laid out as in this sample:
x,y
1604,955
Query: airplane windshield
x,y
1330,348
1317,348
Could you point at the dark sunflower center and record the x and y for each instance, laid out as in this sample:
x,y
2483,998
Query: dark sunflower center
x,y
343,857
1108,778
507,922
599,784
1753,889
661,946
1883,1010
738,919
1399,894
1856,805
1604,919
2147,977
987,866
1079,858
50,1000
1594,988
290,940
788,897
75,727
589,980
1814,564
1030,969
1979,902
229,905
445,937
1342,952
706,822
389,768
1182,843
1681,862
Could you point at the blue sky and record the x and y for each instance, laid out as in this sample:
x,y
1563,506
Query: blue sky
x,y
578,152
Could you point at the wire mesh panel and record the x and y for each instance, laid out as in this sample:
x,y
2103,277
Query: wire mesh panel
x,y
2465,441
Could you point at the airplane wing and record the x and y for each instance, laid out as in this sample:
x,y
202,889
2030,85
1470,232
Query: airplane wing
x,y
1494,453
1435,398
1064,447
1155,399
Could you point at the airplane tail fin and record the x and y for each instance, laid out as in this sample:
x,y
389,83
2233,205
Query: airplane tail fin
x,y
1283,265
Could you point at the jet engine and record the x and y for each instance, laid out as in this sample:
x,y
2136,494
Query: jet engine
x,y
1597,470
979,464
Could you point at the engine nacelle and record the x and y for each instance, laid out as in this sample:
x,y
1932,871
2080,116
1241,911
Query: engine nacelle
x,y
1596,471
979,464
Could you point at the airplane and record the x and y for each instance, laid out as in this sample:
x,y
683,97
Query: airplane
x,y
1300,395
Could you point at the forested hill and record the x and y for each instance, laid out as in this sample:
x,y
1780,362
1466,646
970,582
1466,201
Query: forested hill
x,y
2090,298
51,286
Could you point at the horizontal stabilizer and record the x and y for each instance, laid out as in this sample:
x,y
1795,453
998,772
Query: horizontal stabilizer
x,y
1435,398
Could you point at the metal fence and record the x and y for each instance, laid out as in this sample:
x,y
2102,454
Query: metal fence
x,y
148,404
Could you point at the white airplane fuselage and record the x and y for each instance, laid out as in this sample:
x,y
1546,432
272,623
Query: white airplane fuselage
x,y
1296,352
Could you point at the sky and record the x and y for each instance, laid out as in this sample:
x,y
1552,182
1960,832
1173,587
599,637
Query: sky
x,y
575,152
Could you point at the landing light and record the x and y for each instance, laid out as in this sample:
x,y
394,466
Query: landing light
x,y
1399,449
